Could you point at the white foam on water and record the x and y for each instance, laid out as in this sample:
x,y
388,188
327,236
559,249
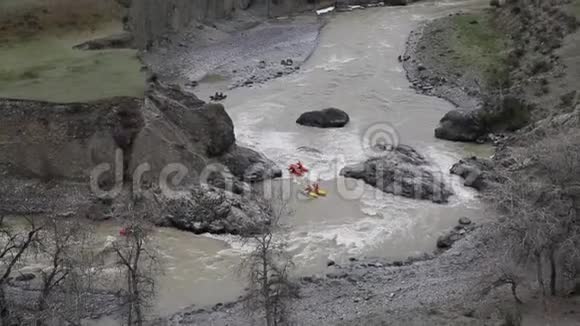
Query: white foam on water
x,y
337,240
385,45
417,17
335,63
443,159
325,10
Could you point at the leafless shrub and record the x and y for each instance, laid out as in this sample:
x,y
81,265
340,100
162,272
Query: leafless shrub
x,y
14,245
72,273
503,272
538,206
138,262
267,269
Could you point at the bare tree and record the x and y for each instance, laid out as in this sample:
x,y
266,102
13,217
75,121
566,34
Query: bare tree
x,y
13,246
138,261
502,271
267,269
70,279
538,202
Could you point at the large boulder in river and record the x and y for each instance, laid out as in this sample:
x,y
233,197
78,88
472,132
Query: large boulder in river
x,y
204,209
327,118
249,165
476,172
460,125
402,171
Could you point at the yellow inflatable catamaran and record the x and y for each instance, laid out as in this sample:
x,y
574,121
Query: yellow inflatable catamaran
x,y
314,191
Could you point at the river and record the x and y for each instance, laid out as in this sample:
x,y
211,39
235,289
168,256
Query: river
x,y
355,68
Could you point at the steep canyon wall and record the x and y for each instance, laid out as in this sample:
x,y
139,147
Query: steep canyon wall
x,y
151,19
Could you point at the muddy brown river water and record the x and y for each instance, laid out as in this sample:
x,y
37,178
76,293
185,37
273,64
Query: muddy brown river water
x,y
354,68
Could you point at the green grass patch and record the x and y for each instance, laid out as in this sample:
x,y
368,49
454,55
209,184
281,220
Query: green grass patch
x,y
26,18
46,67
481,45
576,8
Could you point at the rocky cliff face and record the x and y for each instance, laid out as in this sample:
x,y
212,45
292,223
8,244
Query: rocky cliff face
x,y
149,20
49,140
93,159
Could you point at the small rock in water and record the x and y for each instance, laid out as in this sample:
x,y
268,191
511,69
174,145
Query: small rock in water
x,y
337,275
464,221
330,263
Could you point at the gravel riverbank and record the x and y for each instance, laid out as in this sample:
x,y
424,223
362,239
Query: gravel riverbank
x,y
251,54
458,57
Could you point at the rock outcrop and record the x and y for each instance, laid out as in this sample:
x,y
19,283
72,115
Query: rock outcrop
x,y
327,118
464,226
115,41
152,20
402,171
65,141
90,159
460,125
476,172
208,209
249,165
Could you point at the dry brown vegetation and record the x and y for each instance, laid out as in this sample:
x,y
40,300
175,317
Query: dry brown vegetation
x,y
28,17
539,223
